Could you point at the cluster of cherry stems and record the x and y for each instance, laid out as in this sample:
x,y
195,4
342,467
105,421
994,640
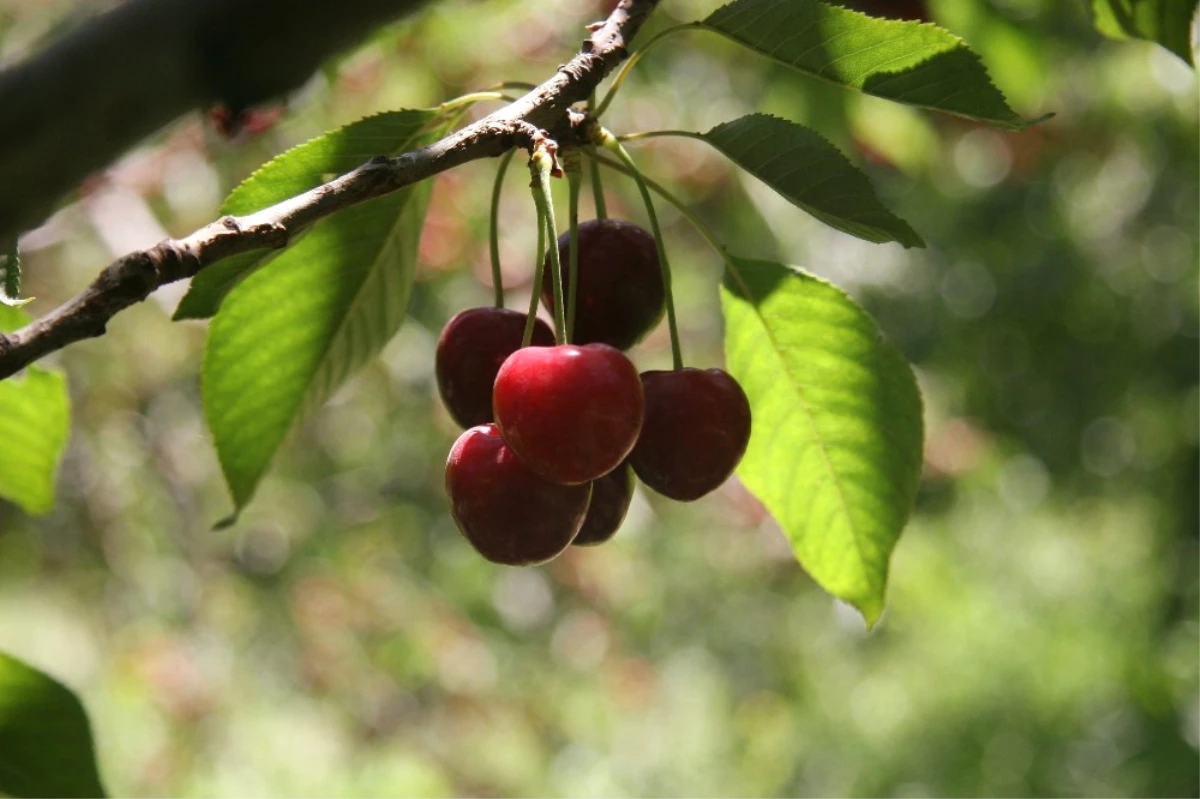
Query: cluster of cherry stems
x,y
555,429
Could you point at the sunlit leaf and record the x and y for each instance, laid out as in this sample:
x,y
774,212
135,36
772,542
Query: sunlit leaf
x,y
35,417
835,454
292,332
909,62
45,740
1164,21
294,172
812,174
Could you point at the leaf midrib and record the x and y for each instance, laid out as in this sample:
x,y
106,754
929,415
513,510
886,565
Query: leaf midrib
x,y
358,294
831,474
324,361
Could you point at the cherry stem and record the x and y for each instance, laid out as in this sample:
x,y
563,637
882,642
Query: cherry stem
x,y
518,85
540,165
468,100
574,183
633,59
598,191
609,141
594,173
494,233
679,204
656,134
531,317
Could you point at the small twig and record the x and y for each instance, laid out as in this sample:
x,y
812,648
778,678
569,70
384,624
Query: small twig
x,y
523,123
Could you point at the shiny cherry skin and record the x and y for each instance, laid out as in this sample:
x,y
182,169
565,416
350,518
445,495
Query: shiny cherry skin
x,y
469,352
696,431
508,513
611,495
620,297
571,413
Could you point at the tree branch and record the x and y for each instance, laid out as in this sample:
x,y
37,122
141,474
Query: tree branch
x,y
133,277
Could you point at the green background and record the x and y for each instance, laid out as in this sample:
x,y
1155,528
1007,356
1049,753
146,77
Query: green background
x,y
1041,631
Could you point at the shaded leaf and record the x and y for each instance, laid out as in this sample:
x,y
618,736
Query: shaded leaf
x,y
35,417
1166,22
835,454
292,332
812,174
294,172
45,740
909,62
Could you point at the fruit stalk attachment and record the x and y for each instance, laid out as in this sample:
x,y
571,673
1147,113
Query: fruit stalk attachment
x,y
541,166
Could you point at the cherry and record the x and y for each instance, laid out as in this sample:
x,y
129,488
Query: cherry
x,y
508,513
469,352
611,495
696,430
572,413
620,296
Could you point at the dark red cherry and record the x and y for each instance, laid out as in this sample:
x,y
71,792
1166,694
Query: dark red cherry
x,y
696,431
571,413
611,495
508,513
469,352
620,285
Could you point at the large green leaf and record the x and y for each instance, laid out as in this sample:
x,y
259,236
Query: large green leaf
x,y
909,62
35,416
45,740
1164,21
290,333
301,168
812,174
835,454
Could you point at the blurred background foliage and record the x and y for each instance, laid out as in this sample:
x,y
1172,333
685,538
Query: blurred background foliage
x,y
1041,636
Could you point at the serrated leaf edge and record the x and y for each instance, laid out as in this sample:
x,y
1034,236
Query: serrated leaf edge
x,y
870,615
1017,122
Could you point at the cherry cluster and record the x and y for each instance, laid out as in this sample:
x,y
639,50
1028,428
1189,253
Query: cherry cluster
x,y
556,431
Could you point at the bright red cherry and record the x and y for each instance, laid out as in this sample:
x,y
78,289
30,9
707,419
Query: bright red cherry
x,y
620,296
469,352
508,513
611,495
696,431
571,413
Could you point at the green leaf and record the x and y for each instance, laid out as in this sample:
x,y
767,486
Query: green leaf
x,y
294,172
835,454
1164,21
909,62
35,417
292,332
45,740
812,174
